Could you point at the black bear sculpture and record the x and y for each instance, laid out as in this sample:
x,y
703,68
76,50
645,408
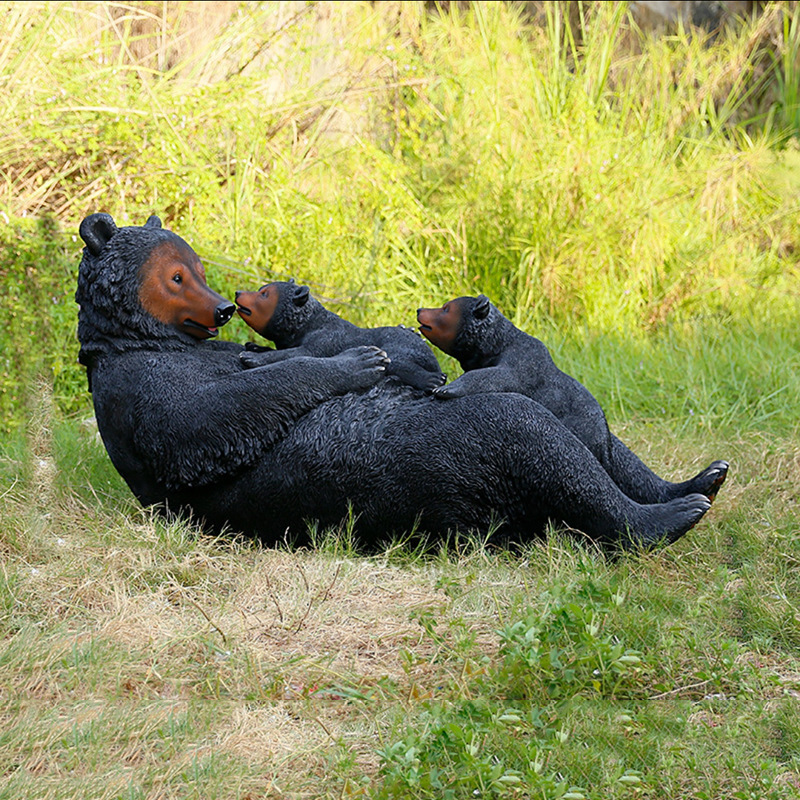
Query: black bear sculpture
x,y
265,450
498,357
289,315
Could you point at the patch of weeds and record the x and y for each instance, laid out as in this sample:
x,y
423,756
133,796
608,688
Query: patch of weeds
x,y
15,465
500,731
84,468
571,646
9,587
575,706
462,750
338,541
785,727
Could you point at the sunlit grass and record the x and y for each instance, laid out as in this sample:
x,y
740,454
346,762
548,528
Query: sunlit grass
x,y
562,172
143,659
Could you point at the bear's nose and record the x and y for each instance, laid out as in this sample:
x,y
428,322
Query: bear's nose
x,y
223,312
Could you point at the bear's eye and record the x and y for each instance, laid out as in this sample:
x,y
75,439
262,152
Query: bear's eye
x,y
177,277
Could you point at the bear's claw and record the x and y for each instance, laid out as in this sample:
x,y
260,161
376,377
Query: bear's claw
x,y
709,481
442,392
667,522
248,360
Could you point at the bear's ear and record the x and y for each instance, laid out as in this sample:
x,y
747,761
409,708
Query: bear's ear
x,y
153,222
97,230
301,295
482,306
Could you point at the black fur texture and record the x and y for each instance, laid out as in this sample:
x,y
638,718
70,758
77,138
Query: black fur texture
x,y
264,450
301,325
498,357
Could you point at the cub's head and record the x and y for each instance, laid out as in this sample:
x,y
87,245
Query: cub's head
x,y
280,311
465,328
140,287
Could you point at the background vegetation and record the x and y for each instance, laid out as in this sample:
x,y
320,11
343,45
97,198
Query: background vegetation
x,y
631,199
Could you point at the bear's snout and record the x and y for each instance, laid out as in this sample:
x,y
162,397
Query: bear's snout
x,y
223,312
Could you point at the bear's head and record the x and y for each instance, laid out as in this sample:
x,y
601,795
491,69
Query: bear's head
x,y
142,287
468,328
281,311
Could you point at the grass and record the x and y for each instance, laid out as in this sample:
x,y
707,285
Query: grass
x,y
630,199
422,158
145,660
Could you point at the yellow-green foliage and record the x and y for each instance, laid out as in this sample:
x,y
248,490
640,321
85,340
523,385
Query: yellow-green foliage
x,y
585,175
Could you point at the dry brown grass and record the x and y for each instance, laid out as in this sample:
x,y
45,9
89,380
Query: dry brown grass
x,y
304,654
140,653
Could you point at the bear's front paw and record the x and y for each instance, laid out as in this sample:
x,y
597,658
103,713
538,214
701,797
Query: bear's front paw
x,y
363,366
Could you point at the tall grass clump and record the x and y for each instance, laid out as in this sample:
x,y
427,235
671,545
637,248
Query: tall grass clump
x,y
588,191
592,179
787,72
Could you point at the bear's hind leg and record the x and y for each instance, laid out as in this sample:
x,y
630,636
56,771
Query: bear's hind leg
x,y
558,475
641,484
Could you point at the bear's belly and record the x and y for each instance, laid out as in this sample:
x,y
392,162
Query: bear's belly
x,y
392,457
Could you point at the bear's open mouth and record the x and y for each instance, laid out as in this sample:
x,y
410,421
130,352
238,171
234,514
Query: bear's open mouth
x,y
210,332
425,327
244,310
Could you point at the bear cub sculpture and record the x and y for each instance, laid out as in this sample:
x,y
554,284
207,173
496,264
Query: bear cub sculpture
x,y
498,357
288,315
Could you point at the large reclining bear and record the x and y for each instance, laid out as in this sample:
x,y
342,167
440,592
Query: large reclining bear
x,y
265,450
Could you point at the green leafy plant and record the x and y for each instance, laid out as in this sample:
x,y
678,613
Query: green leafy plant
x,y
571,647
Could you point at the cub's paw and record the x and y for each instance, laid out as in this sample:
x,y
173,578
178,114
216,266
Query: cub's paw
x,y
445,392
249,359
431,381
410,330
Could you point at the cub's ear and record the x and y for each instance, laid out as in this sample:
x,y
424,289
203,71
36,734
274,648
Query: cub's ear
x,y
97,230
301,295
153,222
482,306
